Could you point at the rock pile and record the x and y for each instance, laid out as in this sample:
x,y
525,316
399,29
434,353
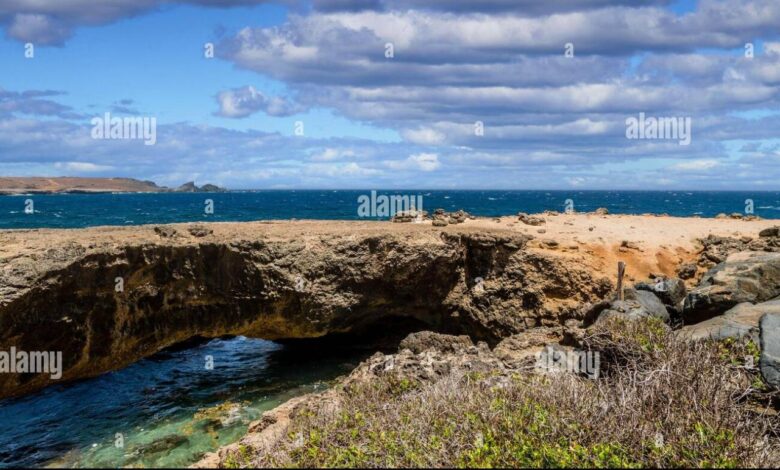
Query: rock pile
x,y
442,218
530,219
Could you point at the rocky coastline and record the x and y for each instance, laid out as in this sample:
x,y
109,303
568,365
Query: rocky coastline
x,y
477,294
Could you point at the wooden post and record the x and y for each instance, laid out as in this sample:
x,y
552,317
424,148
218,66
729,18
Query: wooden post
x,y
621,272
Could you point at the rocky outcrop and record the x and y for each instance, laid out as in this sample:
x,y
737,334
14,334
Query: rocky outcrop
x,y
107,297
742,320
744,277
715,249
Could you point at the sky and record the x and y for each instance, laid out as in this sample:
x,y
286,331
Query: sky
x,y
414,94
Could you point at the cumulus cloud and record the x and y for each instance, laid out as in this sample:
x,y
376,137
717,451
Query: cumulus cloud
x,y
420,161
245,101
504,65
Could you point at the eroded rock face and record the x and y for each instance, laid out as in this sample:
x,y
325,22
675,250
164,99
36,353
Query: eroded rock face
x,y
106,301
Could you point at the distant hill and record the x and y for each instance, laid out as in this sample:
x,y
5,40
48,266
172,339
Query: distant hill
x,y
66,184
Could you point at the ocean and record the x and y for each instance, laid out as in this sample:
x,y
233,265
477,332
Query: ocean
x,y
166,410
84,210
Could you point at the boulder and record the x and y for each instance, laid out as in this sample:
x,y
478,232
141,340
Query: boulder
x,y
670,291
637,304
602,211
770,232
744,277
742,320
769,362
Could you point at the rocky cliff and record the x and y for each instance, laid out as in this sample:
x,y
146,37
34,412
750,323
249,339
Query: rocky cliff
x,y
107,297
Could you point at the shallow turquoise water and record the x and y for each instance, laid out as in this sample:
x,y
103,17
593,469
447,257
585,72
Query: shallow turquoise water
x,y
166,410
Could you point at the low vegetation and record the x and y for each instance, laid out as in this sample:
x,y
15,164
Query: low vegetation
x,y
659,402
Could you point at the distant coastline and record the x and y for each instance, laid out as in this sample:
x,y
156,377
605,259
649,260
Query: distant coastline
x,y
79,185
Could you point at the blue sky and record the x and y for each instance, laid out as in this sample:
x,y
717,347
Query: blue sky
x,y
550,120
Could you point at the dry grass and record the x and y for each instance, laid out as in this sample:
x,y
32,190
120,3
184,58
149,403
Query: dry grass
x,y
660,402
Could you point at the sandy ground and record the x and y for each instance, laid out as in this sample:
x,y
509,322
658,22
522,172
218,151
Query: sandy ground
x,y
647,244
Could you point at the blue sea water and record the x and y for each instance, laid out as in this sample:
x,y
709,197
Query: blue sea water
x,y
166,410
83,210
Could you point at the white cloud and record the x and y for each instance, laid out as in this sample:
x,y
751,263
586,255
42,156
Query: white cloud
x,y
330,154
82,167
420,161
243,102
696,165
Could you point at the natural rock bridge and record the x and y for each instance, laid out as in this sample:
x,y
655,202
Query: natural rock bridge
x,y
107,297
